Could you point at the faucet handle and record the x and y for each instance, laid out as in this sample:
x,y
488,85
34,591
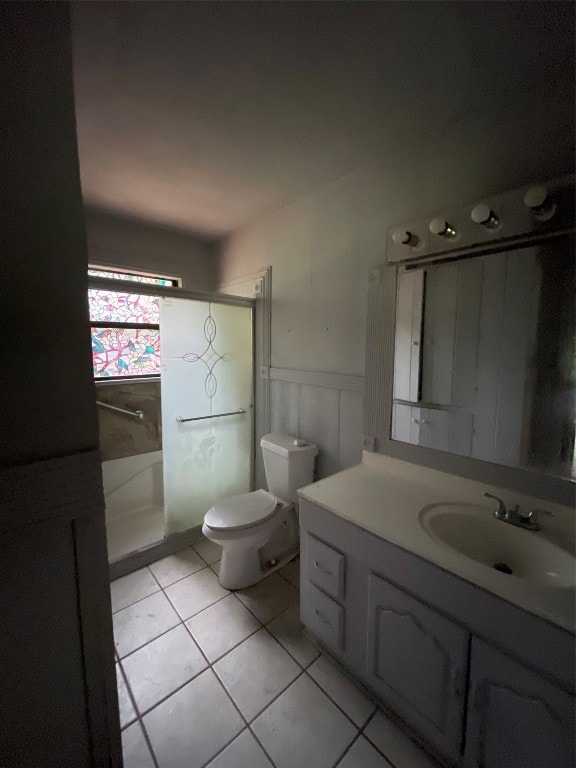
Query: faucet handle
x,y
501,511
534,514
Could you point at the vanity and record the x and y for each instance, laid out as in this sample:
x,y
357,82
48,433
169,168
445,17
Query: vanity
x,y
478,662
454,609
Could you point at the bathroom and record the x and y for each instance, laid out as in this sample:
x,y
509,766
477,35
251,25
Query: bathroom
x,y
289,206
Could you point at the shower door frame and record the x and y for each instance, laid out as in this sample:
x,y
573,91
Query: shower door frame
x,y
170,544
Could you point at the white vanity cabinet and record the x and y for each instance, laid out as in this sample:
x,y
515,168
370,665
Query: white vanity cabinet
x,y
416,661
483,683
516,718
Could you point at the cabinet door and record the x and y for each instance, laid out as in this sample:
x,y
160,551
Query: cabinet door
x,y
402,423
438,429
419,429
416,662
516,719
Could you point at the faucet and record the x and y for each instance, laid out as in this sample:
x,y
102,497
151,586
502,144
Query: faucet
x,y
513,516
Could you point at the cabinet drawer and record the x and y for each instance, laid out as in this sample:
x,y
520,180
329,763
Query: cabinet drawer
x,y
324,617
325,567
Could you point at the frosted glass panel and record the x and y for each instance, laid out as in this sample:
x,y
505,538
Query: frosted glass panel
x,y
233,434
206,370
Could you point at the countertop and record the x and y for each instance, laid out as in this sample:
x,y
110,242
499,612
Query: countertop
x,y
384,496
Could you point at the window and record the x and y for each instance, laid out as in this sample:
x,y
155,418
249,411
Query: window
x,y
125,327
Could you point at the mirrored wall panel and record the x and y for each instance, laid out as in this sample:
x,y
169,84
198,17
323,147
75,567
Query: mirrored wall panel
x,y
484,357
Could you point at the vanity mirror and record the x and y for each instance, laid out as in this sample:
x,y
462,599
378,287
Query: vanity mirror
x,y
474,341
484,357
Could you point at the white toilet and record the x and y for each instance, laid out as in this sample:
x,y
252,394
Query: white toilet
x,y
258,531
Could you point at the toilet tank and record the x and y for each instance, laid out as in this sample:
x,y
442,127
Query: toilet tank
x,y
288,464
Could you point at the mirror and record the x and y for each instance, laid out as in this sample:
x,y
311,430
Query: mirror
x,y
484,357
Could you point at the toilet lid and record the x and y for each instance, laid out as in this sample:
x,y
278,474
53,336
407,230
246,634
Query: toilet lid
x,y
243,511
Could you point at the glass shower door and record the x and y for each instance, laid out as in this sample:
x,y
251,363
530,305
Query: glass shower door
x,y
207,386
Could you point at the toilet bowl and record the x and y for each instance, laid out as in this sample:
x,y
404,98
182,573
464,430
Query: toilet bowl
x,y
258,531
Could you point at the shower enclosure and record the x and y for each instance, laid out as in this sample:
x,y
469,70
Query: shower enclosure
x,y
182,439
206,406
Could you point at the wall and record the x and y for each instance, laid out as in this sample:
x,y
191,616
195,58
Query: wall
x,y
322,246
121,435
58,684
117,241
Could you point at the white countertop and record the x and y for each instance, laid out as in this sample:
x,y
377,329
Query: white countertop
x,y
385,496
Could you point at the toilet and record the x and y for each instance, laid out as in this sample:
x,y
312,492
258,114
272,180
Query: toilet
x,y
258,531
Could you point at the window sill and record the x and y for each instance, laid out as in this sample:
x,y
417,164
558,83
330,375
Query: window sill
x,y
126,380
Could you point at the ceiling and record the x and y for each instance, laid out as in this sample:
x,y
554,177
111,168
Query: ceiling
x,y
203,116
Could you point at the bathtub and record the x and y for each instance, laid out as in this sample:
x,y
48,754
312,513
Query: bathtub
x,y
133,492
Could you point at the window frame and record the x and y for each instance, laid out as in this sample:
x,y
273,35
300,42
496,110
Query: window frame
x,y
125,285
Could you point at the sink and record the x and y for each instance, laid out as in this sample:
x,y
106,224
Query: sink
x,y
473,531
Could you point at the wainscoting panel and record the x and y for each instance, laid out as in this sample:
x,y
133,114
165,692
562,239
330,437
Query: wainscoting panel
x,y
285,407
330,416
320,417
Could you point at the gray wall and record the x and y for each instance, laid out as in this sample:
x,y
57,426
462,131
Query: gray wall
x,y
120,435
322,246
117,241
125,243
59,701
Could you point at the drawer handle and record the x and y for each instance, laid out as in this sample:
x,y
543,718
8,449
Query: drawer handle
x,y
322,618
318,566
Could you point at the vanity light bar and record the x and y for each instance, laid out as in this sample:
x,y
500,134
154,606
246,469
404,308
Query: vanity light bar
x,y
522,215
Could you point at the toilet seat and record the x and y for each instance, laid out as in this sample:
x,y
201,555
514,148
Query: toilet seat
x,y
244,511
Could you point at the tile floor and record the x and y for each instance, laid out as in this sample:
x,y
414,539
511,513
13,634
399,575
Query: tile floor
x,y
207,677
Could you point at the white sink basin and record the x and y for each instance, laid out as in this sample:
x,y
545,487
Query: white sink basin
x,y
473,531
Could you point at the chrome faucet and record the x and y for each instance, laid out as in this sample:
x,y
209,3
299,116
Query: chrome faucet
x,y
513,516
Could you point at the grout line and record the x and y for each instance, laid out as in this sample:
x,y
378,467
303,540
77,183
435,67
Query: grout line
x,y
286,577
236,708
262,747
348,748
138,716
200,556
303,670
369,740
154,576
197,612
432,759
130,695
277,696
168,695
300,673
177,581
206,659
273,617
149,743
211,663
160,587
330,698
292,656
232,740
139,648
138,600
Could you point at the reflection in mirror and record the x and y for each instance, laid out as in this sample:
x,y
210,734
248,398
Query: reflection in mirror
x,y
484,358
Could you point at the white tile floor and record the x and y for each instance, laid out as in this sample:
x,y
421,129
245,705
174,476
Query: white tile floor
x,y
211,678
